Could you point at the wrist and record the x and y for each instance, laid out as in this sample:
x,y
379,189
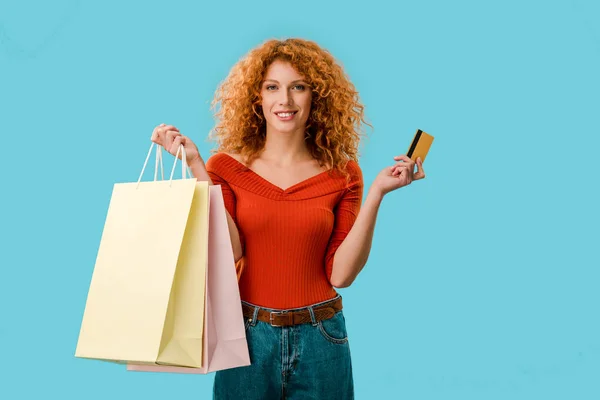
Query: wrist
x,y
376,194
196,162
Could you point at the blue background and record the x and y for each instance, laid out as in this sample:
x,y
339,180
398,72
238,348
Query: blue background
x,y
483,278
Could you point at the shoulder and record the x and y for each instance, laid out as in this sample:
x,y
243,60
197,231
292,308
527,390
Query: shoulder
x,y
353,168
355,173
220,162
349,176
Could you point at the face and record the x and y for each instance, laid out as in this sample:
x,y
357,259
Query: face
x,y
286,99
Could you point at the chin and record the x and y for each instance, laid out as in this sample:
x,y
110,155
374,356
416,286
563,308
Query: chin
x,y
284,129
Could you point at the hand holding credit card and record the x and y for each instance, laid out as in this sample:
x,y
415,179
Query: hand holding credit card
x,y
402,172
418,149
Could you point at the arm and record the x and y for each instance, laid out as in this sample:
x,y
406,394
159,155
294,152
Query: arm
x,y
198,169
351,256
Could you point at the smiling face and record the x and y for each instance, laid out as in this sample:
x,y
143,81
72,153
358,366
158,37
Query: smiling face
x,y
286,99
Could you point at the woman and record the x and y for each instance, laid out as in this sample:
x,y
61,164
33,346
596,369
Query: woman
x,y
288,132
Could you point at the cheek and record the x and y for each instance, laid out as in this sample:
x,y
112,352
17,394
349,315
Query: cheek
x,y
307,110
306,102
266,106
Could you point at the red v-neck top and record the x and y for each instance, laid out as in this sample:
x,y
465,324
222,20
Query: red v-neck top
x,y
289,237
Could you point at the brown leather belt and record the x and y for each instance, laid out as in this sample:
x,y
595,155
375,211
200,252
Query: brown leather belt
x,y
296,317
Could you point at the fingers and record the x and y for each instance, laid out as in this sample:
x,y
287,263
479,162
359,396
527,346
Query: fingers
x,y
406,162
168,127
170,141
155,137
408,165
402,170
177,141
170,135
420,174
403,157
159,134
166,136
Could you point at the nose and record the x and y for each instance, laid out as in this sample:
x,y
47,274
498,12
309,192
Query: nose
x,y
286,98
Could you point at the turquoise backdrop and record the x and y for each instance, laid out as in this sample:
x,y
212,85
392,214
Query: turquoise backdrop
x,y
483,278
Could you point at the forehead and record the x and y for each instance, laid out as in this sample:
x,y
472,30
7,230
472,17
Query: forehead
x,y
282,70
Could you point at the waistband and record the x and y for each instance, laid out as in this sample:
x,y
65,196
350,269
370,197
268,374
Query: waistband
x,y
293,316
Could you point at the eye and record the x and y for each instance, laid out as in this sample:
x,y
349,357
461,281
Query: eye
x,y
270,87
299,87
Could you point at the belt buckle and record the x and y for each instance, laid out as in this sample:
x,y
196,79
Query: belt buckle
x,y
278,313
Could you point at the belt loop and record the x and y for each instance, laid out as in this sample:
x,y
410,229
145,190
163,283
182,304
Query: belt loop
x,y
255,316
312,316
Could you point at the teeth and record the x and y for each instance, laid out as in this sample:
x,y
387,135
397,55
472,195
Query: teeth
x,y
285,115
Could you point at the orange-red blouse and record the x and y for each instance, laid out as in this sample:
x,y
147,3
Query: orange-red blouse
x,y
289,237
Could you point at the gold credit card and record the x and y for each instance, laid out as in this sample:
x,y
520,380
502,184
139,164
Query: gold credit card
x,y
420,146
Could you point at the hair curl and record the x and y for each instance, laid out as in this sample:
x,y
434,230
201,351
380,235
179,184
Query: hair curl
x,y
334,126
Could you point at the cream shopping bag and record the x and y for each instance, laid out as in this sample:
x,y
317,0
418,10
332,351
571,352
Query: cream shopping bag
x,y
225,344
146,298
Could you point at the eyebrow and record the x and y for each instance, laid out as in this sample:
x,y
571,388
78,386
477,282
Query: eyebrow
x,y
297,80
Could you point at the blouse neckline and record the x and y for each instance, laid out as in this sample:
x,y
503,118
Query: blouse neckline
x,y
238,174
274,186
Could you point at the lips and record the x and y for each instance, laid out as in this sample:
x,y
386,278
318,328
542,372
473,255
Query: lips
x,y
285,115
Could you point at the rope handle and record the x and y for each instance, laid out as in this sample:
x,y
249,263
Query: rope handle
x,y
159,160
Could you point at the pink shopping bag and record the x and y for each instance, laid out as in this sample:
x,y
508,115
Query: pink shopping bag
x,y
225,344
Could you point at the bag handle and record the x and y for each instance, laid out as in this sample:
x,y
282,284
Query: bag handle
x,y
184,167
159,160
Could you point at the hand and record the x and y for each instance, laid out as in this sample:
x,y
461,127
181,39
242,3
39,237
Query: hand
x,y
169,137
399,175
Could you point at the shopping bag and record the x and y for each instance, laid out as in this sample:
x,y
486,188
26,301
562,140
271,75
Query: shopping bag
x,y
225,344
146,297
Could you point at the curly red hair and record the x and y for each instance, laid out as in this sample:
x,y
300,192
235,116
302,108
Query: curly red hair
x,y
334,126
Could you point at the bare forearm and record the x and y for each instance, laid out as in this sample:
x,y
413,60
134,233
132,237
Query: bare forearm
x,y
352,255
199,172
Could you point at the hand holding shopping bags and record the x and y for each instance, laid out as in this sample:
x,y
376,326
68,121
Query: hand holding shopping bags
x,y
147,299
169,137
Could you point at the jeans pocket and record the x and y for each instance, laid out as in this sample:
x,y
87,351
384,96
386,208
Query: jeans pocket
x,y
246,323
334,329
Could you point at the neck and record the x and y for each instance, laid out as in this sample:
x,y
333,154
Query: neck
x,y
285,149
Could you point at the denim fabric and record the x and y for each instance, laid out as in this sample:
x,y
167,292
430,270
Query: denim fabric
x,y
307,361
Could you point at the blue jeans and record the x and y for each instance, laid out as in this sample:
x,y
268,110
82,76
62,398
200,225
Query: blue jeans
x,y
306,361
